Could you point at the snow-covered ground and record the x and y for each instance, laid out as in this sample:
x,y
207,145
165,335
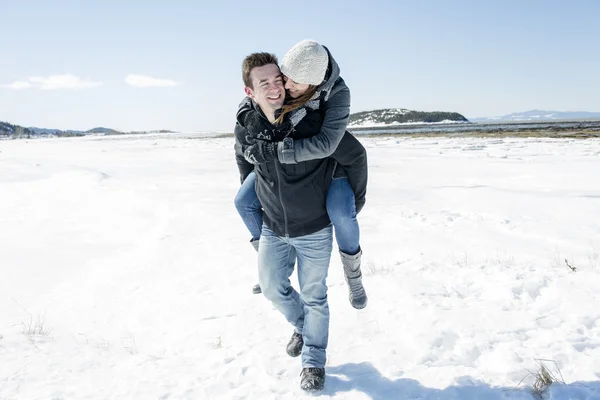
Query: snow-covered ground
x,y
126,273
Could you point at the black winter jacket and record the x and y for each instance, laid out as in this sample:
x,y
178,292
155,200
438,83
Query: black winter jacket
x,y
293,195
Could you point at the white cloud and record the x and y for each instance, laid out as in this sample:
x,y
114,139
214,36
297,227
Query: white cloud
x,y
143,81
18,85
53,82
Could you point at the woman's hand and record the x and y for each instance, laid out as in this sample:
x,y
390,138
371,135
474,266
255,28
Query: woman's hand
x,y
260,151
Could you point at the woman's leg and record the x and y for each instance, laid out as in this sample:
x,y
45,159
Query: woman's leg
x,y
249,206
342,212
341,208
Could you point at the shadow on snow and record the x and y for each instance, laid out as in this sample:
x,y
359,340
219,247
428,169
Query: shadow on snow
x,y
367,379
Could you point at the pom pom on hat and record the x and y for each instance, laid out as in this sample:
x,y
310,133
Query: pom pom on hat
x,y
306,63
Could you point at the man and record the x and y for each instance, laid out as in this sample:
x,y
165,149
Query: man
x,y
296,223
285,238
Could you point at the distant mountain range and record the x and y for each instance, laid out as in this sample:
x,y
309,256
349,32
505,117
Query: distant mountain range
x,y
540,115
397,116
8,130
58,132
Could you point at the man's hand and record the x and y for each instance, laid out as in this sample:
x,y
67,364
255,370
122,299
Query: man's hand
x,y
261,152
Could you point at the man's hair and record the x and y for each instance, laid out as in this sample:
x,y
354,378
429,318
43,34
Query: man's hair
x,y
255,60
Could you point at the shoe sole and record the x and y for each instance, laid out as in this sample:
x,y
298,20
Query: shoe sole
x,y
312,390
358,306
293,355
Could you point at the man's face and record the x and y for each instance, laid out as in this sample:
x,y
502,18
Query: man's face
x,y
268,91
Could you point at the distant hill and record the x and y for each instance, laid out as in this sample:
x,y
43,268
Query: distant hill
x,y
541,115
54,132
397,116
14,131
70,132
105,131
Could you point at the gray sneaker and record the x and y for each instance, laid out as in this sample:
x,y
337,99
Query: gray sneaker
x,y
312,379
256,289
294,346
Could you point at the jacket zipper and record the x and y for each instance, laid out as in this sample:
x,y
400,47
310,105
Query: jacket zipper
x,y
277,171
285,220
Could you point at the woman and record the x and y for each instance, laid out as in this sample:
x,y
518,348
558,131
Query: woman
x,y
312,125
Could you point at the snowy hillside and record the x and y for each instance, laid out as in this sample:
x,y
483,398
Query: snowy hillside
x,y
126,273
8,130
396,116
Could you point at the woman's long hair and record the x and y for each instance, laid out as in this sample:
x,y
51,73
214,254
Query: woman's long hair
x,y
295,103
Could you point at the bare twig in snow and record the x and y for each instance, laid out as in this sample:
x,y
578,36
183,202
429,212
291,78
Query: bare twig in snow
x,y
570,266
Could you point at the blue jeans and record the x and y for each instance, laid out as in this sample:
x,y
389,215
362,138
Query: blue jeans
x,y
340,207
249,206
308,310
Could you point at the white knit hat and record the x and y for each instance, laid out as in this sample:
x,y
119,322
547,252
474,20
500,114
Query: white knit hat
x,y
306,63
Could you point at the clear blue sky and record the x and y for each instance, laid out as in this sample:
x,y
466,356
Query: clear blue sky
x,y
64,63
